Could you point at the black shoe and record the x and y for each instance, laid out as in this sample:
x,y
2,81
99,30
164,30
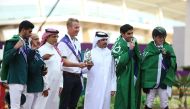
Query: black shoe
x,y
146,107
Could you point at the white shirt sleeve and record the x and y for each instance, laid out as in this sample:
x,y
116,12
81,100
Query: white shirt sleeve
x,y
46,86
42,51
64,49
113,75
61,82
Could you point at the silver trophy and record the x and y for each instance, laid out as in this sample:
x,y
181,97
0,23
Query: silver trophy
x,y
87,56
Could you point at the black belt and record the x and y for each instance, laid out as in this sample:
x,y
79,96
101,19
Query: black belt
x,y
65,73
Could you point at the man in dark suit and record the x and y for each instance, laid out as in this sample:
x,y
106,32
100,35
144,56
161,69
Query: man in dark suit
x,y
15,67
36,70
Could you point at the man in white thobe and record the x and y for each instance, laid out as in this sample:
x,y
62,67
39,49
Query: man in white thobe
x,y
53,78
101,78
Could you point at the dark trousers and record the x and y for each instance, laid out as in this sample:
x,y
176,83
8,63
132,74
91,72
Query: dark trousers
x,y
70,94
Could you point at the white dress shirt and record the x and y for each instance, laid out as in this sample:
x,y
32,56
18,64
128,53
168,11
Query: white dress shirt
x,y
66,51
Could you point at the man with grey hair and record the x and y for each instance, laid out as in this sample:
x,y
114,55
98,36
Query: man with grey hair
x,y
36,70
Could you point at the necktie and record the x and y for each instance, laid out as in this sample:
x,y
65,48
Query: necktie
x,y
26,47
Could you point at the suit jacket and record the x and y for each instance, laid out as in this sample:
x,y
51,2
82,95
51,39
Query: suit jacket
x,y
35,81
15,67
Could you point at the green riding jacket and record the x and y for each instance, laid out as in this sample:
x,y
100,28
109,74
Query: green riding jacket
x,y
149,66
14,66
